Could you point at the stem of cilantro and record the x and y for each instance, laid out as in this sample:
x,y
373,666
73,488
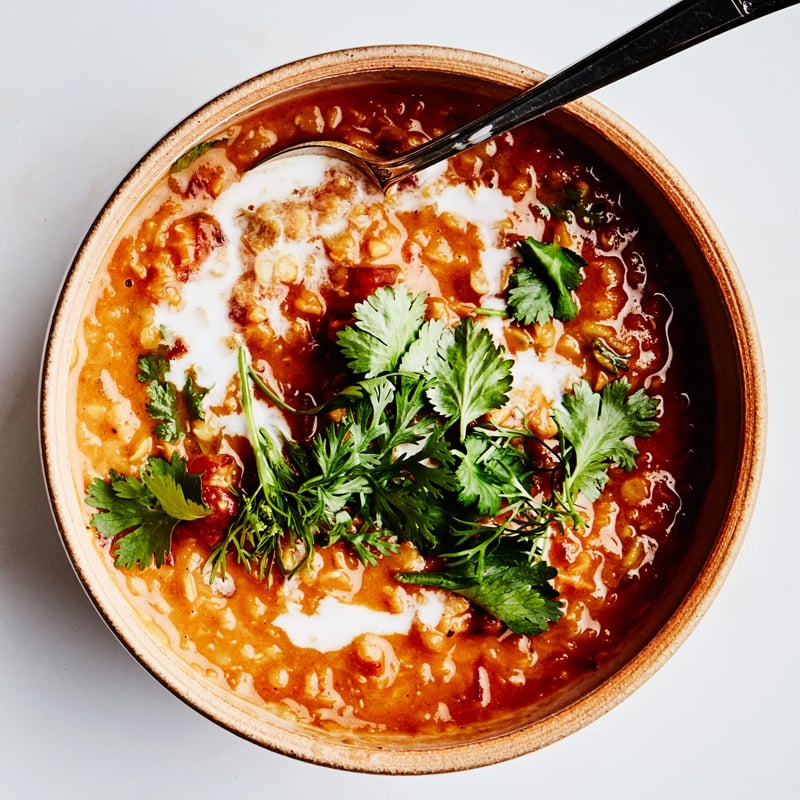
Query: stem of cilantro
x,y
485,311
278,401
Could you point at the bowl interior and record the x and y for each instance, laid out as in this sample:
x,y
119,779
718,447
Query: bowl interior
x,y
705,282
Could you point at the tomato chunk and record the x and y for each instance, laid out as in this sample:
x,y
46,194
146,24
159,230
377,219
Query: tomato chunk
x,y
363,281
219,474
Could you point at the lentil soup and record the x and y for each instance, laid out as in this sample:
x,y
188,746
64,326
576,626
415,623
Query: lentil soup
x,y
224,253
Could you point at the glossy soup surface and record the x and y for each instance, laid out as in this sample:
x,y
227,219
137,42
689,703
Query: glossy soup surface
x,y
276,258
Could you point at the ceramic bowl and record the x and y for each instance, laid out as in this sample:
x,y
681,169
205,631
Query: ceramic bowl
x,y
735,370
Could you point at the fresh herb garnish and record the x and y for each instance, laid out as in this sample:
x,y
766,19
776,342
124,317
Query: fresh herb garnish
x,y
594,430
470,375
413,458
541,286
143,512
193,395
191,155
152,367
386,324
410,456
163,405
572,203
174,410
506,584
351,482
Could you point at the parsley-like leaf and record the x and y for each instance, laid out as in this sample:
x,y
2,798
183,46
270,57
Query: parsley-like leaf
x,y
529,297
471,375
152,367
193,394
594,429
164,400
163,406
386,470
505,583
541,286
144,511
148,542
174,487
421,350
385,325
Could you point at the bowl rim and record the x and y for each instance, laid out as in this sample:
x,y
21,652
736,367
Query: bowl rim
x,y
358,61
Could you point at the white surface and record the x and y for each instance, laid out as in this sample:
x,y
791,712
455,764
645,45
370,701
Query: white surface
x,y
87,86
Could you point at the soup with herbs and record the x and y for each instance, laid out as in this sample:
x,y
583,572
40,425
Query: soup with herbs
x,y
395,463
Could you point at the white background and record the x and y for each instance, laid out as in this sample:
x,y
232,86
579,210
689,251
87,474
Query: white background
x,y
86,87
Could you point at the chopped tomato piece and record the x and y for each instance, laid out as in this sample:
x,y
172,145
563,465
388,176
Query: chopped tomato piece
x,y
219,474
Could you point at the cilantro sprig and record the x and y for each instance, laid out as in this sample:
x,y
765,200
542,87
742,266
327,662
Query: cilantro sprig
x,y
595,431
514,589
541,286
141,512
173,409
470,375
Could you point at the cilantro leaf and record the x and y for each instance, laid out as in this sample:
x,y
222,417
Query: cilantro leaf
x,y
148,542
163,405
506,584
164,400
541,285
422,349
594,428
529,297
121,500
144,511
193,394
386,323
162,396
152,367
470,377
173,487
386,470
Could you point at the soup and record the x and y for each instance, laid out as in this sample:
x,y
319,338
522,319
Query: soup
x,y
397,464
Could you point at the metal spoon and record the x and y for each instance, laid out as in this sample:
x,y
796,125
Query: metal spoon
x,y
685,24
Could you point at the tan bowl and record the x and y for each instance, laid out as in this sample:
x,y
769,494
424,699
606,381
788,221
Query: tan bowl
x,y
735,371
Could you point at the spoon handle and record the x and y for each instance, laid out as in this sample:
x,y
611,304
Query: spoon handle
x,y
685,24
